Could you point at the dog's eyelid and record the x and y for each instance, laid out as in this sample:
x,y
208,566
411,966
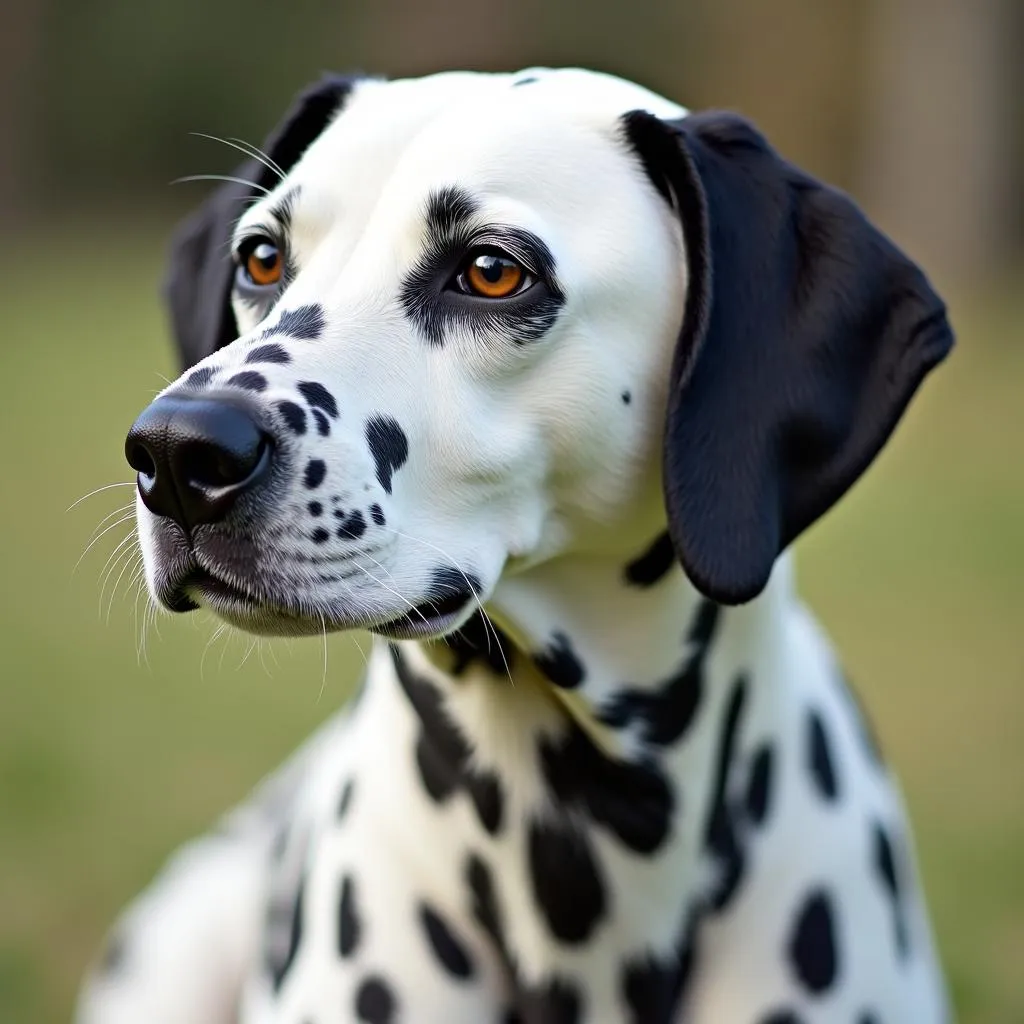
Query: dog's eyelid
x,y
253,235
509,244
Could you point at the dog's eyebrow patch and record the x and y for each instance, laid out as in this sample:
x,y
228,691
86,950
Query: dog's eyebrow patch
x,y
284,208
318,397
306,323
449,212
268,354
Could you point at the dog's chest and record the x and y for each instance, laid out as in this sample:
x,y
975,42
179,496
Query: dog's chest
x,y
473,842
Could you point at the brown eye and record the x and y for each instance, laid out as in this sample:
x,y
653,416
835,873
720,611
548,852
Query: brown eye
x,y
263,264
493,277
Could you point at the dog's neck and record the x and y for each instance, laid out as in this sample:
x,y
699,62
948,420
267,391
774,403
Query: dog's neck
x,y
619,645
602,717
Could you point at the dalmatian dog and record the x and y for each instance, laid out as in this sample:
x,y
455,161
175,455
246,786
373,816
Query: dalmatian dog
x,y
536,377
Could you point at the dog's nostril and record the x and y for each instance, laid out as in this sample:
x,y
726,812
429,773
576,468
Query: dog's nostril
x,y
141,461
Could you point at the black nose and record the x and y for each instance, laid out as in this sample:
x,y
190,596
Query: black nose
x,y
195,455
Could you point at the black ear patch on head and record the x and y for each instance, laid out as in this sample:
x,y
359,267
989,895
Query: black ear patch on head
x,y
805,334
197,287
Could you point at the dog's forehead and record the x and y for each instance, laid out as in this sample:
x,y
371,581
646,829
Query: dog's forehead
x,y
496,130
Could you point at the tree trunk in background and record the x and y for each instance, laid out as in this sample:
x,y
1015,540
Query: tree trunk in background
x,y
937,133
20,22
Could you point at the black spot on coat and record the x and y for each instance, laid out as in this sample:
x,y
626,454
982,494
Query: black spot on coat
x,y
272,353
279,968
780,1017
759,785
654,988
323,425
721,836
375,1001
654,564
633,800
346,798
557,1002
451,952
306,323
820,763
560,663
353,526
667,709
484,903
316,470
248,380
319,397
199,378
884,863
567,882
813,954
443,754
476,640
348,919
389,447
294,415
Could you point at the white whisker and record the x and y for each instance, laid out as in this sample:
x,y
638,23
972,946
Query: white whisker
x,y
245,657
125,557
221,177
323,680
215,636
102,533
103,572
99,490
113,593
248,149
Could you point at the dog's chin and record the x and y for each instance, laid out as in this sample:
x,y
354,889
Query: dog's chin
x,y
283,615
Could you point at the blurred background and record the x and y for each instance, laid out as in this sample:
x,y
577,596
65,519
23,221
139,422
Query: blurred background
x,y
115,747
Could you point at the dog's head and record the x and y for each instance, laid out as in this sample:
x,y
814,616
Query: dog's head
x,y
463,325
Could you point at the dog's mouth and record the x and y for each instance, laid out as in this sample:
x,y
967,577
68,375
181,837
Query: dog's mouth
x,y
280,611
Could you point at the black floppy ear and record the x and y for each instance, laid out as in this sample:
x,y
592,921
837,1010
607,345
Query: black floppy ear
x,y
805,334
197,286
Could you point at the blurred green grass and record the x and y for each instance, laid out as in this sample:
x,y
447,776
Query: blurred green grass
x,y
107,761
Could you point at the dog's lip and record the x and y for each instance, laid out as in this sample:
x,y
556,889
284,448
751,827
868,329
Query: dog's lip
x,y
427,620
422,622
